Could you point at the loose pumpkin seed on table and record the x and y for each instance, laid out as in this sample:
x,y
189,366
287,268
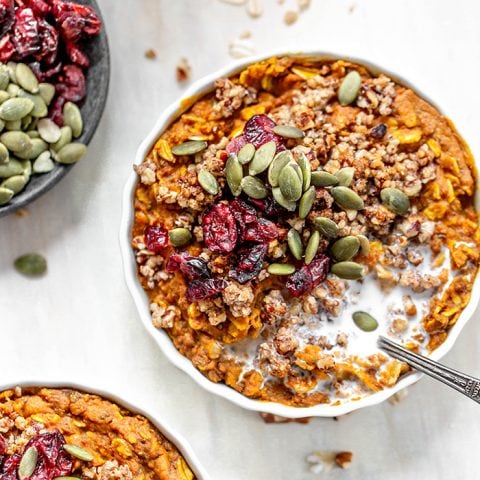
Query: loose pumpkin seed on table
x,y
31,264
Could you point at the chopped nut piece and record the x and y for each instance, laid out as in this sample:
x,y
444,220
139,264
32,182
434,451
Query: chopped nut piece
x,y
344,459
290,17
183,70
151,54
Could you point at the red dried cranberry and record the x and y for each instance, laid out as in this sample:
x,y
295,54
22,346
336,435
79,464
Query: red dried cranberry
x,y
39,7
194,268
7,15
76,21
309,276
156,238
56,111
249,262
7,49
71,84
220,229
3,445
10,467
263,231
259,130
236,144
202,289
243,212
76,55
25,33
268,206
378,131
49,43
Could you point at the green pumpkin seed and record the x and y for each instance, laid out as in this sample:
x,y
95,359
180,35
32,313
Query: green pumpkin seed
x,y
345,248
27,168
364,321
254,187
4,155
298,171
26,78
348,270
306,202
44,163
39,106
16,183
312,247
281,200
324,179
246,153
5,195
47,92
347,198
12,66
295,243
349,88
25,122
4,96
33,134
262,159
290,183
38,147
2,125
279,162
13,90
31,264
73,118
364,245
15,109
28,463
16,141
180,237
234,175
33,125
13,167
288,131
71,153
65,138
306,168
13,126
345,176
281,269
4,77
208,182
78,452
395,200
190,147
49,130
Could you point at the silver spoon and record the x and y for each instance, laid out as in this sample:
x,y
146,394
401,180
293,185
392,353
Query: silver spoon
x,y
465,384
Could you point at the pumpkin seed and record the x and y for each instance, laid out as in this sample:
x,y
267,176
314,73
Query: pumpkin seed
x,y
13,167
4,155
298,171
290,183
39,106
347,198
288,131
234,175
349,88
73,118
312,247
25,122
281,200
324,179
345,248
16,183
28,463
78,452
348,270
4,77
208,182
31,264
16,141
306,202
13,126
306,169
44,163
49,130
364,321
190,147
33,125
295,243
47,92
5,195
33,134
26,78
4,96
71,153
180,237
65,138
13,89
246,153
38,147
395,200
2,125
278,163
345,176
281,269
262,159
15,109
27,168
12,66
364,245
254,187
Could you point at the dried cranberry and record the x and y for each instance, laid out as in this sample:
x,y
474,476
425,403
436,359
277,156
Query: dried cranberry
x,y
309,276
7,15
243,212
10,467
194,268
263,231
7,49
220,229
76,55
25,33
249,262
49,43
156,238
56,111
39,7
202,289
236,144
268,206
3,445
71,84
259,130
378,131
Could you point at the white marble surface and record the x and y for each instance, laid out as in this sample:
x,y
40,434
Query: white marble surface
x,y
78,323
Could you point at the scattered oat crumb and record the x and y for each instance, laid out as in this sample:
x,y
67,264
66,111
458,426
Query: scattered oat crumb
x,y
398,397
183,70
246,34
254,8
290,17
323,462
239,49
151,54
271,418
22,213
352,7
303,4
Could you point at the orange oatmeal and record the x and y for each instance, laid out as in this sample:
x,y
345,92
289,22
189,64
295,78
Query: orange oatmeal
x,y
301,208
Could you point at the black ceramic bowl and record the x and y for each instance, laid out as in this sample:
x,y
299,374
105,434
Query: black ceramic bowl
x,y
97,77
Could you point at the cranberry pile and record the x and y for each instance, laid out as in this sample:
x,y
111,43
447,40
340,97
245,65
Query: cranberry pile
x,y
49,36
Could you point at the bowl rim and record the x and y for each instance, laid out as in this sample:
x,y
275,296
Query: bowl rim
x,y
196,90
164,428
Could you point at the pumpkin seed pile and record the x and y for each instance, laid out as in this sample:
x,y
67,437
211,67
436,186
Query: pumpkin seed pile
x,y
30,143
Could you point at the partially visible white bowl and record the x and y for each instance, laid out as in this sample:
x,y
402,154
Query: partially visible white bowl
x,y
141,300
182,445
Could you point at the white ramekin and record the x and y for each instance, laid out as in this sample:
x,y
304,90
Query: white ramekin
x,y
141,300
182,445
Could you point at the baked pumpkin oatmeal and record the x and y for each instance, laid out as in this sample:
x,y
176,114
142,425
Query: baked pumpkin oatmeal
x,y
48,434
301,208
